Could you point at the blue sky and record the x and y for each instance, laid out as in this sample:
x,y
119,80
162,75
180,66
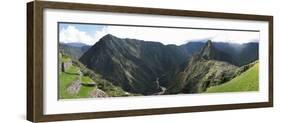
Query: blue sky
x,y
89,28
90,34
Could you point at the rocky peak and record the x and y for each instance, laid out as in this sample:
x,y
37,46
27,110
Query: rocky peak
x,y
209,43
106,41
208,51
108,37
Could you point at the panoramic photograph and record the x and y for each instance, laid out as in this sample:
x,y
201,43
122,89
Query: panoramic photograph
x,y
107,60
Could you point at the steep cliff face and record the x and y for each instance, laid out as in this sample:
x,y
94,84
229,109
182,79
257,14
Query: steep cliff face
x,y
205,69
134,65
146,67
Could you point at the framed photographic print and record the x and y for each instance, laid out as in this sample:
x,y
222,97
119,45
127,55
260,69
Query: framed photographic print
x,y
96,61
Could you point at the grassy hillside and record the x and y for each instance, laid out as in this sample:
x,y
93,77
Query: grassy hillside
x,y
70,76
65,80
247,81
75,52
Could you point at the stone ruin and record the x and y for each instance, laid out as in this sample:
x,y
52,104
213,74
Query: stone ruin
x,y
74,87
65,65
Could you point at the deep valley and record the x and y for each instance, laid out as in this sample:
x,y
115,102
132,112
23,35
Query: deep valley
x,y
115,67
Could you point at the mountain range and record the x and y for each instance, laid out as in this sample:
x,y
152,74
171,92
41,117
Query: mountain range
x,y
149,67
74,50
209,67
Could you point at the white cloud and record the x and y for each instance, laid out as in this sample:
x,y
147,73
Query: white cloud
x,y
164,35
236,36
71,34
177,36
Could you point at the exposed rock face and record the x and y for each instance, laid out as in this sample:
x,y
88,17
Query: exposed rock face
x,y
74,88
144,66
209,52
238,54
66,65
202,71
98,93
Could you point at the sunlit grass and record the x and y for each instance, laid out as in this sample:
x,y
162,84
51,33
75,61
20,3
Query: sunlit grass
x,y
247,81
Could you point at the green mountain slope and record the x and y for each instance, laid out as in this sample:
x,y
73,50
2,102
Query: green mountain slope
x,y
132,64
67,78
74,51
247,81
76,81
139,66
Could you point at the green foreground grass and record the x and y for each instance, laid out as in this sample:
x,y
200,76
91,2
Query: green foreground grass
x,y
70,75
64,58
247,81
66,79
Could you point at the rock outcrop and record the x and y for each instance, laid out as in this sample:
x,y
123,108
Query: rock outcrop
x,y
98,93
65,65
74,88
203,70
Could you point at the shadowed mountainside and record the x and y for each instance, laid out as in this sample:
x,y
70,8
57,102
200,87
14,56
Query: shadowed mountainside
x,y
74,50
147,67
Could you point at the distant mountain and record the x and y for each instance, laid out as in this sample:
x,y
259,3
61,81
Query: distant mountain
x,y
74,50
204,69
77,44
239,54
249,53
210,52
192,47
147,67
